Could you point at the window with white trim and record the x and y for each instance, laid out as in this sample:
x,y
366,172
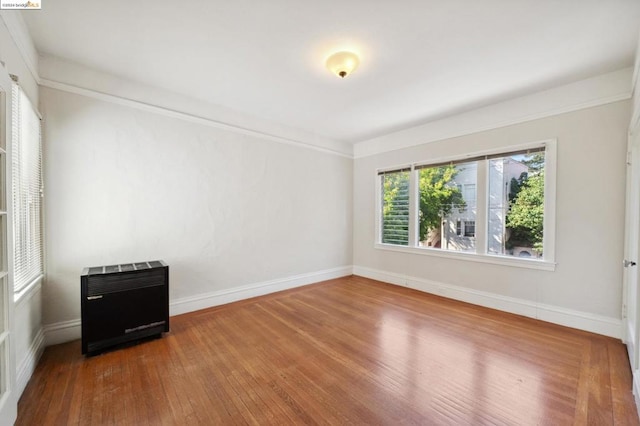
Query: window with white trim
x,y
26,172
492,204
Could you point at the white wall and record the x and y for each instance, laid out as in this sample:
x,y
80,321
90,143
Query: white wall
x,y
586,284
28,335
225,210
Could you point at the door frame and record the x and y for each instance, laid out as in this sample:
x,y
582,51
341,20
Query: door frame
x,y
631,273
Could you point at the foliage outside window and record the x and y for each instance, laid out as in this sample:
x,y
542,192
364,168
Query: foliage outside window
x,y
443,205
516,205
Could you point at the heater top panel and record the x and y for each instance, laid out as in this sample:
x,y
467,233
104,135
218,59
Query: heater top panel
x,y
125,267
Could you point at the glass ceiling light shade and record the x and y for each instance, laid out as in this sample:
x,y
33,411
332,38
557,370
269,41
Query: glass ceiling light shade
x,y
342,63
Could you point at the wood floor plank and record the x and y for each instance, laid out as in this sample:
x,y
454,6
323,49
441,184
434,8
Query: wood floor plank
x,y
620,372
345,351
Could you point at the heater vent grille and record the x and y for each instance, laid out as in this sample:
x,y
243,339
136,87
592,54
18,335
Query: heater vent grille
x,y
125,267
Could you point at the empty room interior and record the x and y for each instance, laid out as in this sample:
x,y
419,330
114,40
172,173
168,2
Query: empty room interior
x,y
336,212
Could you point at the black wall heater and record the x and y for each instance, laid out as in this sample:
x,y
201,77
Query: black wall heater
x,y
123,303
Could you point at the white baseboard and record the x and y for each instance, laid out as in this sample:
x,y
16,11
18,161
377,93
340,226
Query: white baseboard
x,y
28,364
629,339
636,389
571,318
71,330
216,298
61,332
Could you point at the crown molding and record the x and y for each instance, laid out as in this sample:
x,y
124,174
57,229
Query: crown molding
x,y
20,34
105,97
600,90
607,88
64,75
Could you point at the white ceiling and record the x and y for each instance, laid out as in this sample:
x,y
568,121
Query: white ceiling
x,y
420,59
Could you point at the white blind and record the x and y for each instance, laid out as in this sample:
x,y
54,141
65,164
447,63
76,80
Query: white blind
x,y
395,207
26,163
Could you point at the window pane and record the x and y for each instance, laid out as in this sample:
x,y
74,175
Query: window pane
x,y
395,208
470,228
516,205
448,206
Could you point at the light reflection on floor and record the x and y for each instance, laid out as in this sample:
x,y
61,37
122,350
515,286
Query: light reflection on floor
x,y
486,380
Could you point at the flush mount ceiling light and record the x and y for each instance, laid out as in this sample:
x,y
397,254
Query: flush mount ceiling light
x,y
342,63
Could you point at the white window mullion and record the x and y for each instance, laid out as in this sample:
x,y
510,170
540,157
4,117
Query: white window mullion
x,y
414,196
549,242
379,203
482,195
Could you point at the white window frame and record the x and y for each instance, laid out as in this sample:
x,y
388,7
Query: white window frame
x,y
481,255
23,286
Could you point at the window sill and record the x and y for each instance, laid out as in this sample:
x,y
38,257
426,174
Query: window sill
x,y
542,265
27,291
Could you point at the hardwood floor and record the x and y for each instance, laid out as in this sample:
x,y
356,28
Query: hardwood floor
x,y
350,350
